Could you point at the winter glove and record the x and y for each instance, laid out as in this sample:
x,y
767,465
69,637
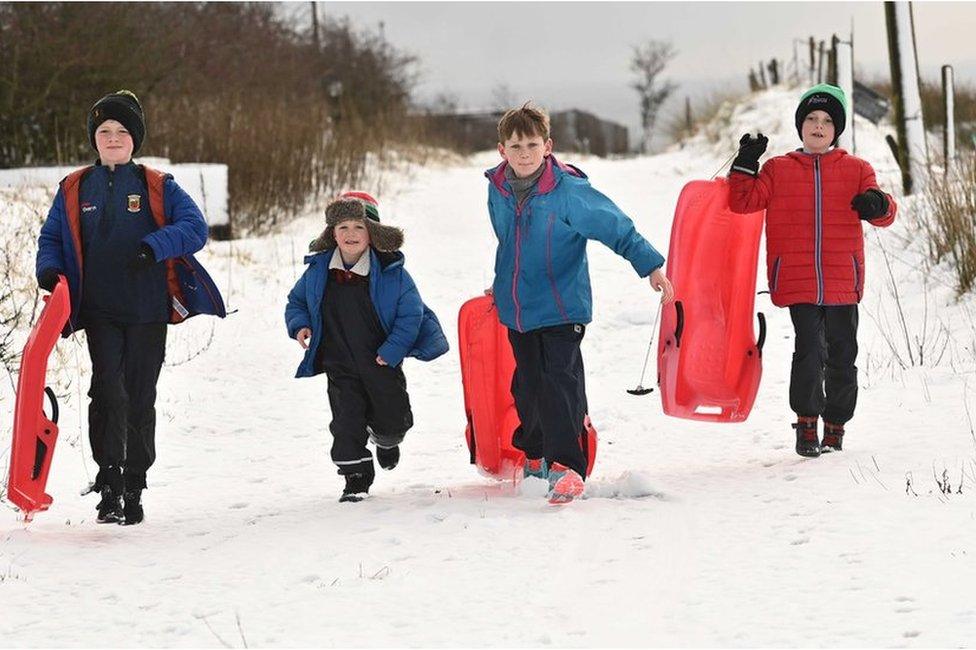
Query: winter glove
x,y
750,149
48,278
870,205
143,259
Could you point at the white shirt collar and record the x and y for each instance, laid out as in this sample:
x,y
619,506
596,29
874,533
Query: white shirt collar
x,y
361,267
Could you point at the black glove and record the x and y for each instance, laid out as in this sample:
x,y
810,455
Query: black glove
x,y
870,205
750,149
143,259
48,278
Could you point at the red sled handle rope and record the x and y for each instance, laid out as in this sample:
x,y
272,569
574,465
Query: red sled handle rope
x,y
34,434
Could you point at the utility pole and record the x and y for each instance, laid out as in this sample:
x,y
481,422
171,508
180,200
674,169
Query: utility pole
x,y
315,27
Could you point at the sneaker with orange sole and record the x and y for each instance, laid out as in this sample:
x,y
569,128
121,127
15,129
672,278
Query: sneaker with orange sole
x,y
564,484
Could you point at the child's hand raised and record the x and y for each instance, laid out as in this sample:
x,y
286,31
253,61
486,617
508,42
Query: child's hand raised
x,y
753,147
750,150
660,282
303,336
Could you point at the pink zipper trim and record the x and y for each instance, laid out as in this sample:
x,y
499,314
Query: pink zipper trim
x,y
518,254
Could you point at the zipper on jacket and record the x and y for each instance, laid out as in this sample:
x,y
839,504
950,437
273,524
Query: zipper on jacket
x,y
775,282
109,215
518,254
200,283
857,277
515,271
818,229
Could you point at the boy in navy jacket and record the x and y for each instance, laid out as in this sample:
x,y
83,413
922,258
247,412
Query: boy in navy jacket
x,y
543,213
357,313
122,235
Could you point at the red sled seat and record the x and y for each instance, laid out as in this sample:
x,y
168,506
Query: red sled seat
x,y
34,435
487,366
709,360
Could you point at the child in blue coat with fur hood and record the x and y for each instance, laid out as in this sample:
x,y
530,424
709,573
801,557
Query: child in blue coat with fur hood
x,y
357,313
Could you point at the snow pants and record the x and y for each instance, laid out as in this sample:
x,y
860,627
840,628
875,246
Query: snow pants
x,y
823,381
550,394
370,405
126,360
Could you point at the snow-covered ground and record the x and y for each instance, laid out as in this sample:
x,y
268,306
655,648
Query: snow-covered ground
x,y
692,534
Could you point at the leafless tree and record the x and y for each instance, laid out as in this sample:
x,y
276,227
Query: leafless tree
x,y
648,62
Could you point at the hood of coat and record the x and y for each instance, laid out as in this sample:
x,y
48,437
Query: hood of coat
x,y
550,178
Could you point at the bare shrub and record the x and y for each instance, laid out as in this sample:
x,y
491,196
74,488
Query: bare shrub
x,y
19,296
293,116
912,343
950,225
931,93
710,115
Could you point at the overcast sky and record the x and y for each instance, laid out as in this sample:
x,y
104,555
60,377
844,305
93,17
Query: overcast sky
x,y
576,54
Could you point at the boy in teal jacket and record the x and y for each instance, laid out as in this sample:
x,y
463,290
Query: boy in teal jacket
x,y
543,213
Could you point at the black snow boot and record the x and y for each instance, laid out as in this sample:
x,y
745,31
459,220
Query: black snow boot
x,y
388,458
807,440
132,510
833,439
357,487
110,507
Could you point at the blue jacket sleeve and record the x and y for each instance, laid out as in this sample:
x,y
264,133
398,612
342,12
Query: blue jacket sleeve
x,y
296,311
406,325
595,216
186,231
50,254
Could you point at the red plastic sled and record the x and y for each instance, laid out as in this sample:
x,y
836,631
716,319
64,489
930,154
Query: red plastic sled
x,y
487,366
34,435
709,361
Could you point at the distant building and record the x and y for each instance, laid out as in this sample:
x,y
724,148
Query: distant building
x,y
572,131
584,132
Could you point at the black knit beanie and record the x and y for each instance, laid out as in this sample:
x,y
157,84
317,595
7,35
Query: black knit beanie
x,y
123,107
827,98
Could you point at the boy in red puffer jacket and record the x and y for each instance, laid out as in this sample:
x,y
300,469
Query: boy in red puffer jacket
x,y
817,199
